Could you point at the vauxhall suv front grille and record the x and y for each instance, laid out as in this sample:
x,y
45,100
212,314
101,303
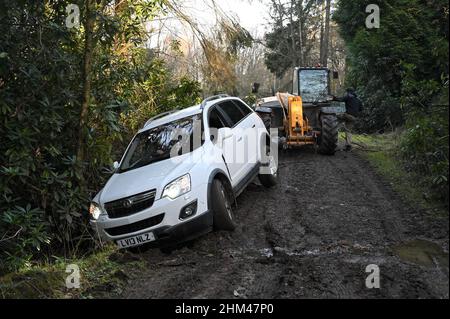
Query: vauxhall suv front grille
x,y
134,227
130,205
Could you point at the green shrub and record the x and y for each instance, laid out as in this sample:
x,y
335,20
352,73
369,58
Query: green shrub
x,y
412,42
425,148
44,190
400,71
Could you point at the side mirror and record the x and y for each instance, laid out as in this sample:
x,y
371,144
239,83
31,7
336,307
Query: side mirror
x,y
116,165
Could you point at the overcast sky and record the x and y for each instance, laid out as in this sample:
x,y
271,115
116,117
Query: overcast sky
x,y
251,14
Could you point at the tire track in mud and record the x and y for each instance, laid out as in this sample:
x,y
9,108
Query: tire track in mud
x,y
311,236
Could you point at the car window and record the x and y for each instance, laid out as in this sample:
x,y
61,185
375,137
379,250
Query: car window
x,y
244,109
156,144
232,111
215,119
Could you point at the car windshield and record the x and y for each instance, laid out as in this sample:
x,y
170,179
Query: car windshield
x,y
313,85
163,142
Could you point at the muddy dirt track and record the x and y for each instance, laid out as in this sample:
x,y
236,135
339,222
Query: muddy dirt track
x,y
311,236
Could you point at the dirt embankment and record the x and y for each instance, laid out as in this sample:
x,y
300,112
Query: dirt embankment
x,y
312,236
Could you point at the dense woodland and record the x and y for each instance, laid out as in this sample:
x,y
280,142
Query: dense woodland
x,y
71,98
401,73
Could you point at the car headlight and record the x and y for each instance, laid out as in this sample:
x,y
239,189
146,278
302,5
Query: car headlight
x,y
178,187
95,211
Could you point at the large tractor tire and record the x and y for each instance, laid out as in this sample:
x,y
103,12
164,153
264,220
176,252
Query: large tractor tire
x,y
329,137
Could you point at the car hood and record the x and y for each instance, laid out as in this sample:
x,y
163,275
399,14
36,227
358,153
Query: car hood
x,y
142,179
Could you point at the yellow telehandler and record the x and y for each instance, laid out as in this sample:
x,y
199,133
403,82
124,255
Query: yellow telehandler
x,y
305,117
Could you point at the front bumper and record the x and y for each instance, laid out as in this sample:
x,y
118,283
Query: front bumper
x,y
162,218
185,231
193,228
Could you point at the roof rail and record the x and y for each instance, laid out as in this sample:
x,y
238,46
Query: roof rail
x,y
160,116
212,98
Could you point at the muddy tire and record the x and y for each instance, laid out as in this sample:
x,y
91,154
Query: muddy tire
x,y
222,208
329,137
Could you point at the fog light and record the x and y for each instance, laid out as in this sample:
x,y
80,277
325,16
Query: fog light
x,y
188,210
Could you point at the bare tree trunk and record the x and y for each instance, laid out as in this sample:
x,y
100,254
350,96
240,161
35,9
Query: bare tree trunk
x,y
326,39
300,33
322,31
86,77
291,27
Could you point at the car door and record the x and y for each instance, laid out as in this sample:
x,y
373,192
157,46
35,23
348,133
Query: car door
x,y
234,148
251,134
216,121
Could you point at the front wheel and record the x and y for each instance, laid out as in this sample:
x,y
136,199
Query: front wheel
x,y
329,136
221,205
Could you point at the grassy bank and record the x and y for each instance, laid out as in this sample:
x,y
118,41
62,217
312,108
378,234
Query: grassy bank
x,y
101,273
381,150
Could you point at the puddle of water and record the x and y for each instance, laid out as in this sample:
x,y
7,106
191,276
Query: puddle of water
x,y
422,252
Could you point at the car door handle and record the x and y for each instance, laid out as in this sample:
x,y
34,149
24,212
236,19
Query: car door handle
x,y
254,125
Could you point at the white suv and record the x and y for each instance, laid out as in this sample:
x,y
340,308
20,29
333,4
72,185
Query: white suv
x,y
181,173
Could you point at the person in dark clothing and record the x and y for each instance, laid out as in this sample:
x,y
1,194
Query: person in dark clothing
x,y
353,108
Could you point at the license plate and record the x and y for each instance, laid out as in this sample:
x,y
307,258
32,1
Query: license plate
x,y
136,240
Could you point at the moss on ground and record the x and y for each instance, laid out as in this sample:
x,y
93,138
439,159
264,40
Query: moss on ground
x,y
101,273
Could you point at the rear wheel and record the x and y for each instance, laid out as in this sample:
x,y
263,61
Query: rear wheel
x,y
329,136
221,205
